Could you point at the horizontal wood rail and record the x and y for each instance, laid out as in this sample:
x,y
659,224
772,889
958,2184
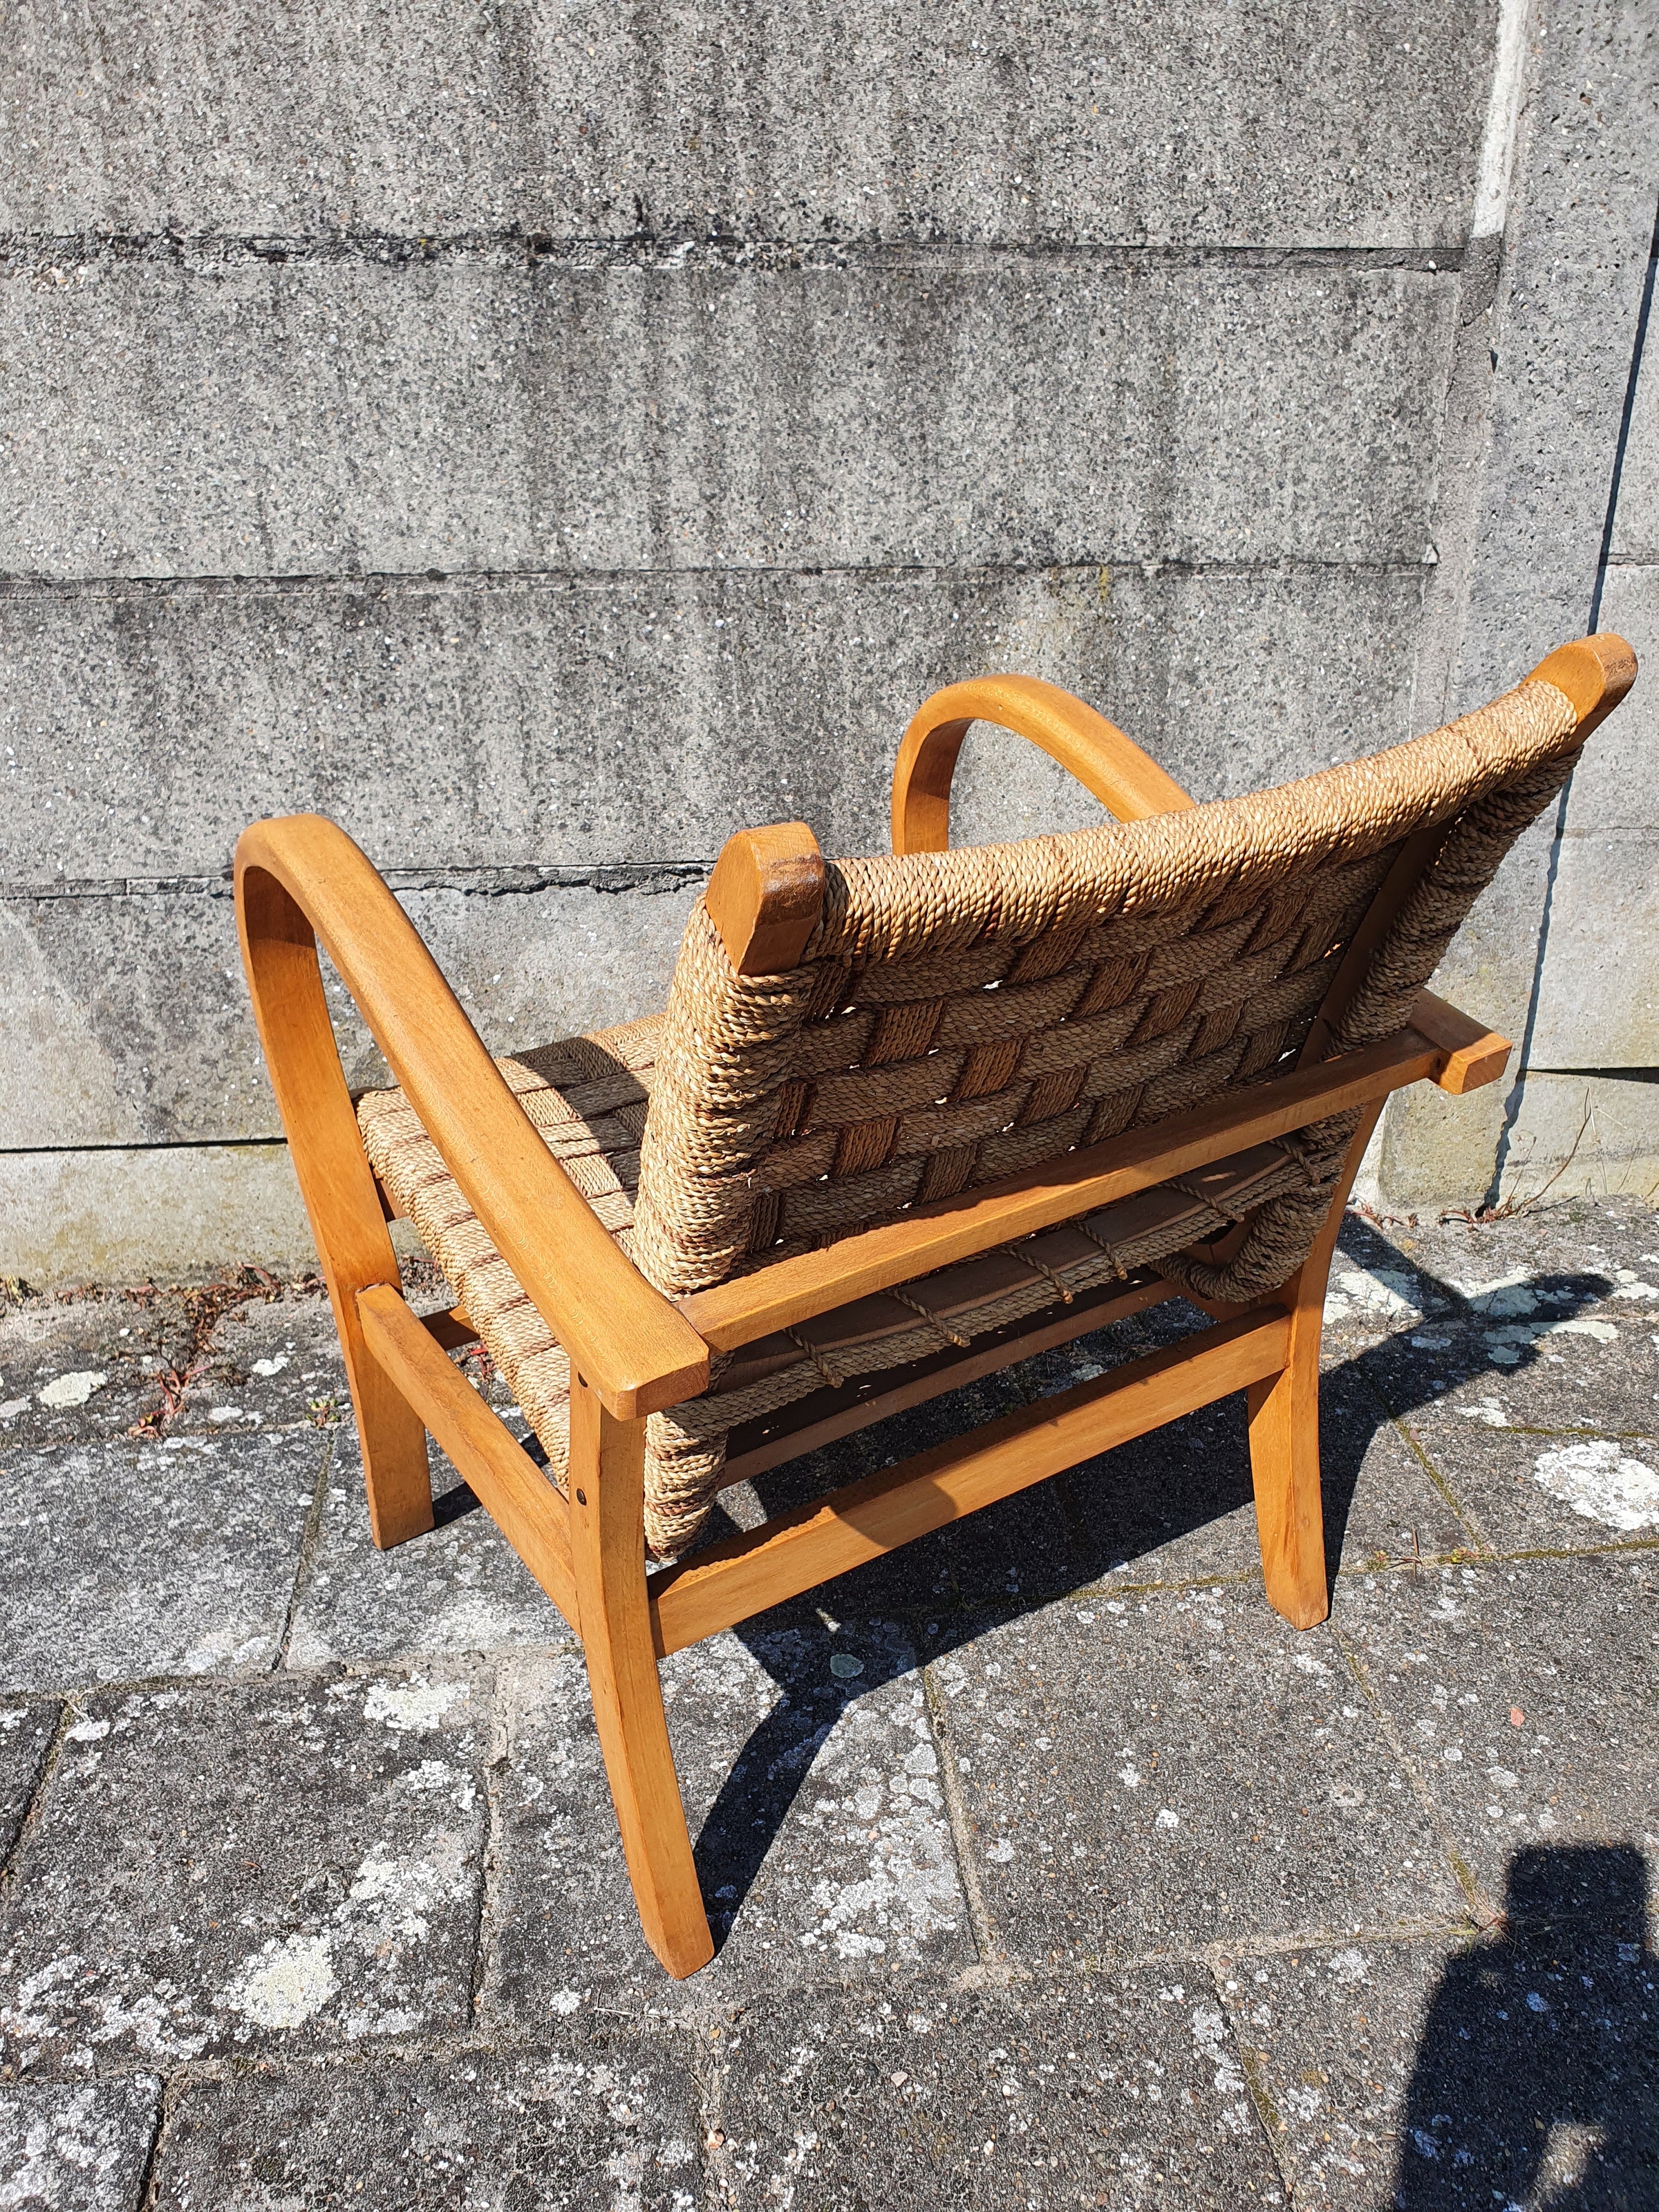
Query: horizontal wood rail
x,y
449,1329
830,1413
929,1236
507,1482
796,1551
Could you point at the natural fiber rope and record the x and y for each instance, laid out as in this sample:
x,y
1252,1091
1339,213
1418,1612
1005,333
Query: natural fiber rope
x,y
961,1016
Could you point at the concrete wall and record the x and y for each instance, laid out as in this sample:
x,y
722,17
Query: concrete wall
x,y
547,441
1549,521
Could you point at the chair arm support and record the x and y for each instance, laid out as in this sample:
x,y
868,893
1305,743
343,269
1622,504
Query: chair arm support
x,y
1474,1054
299,879
1125,780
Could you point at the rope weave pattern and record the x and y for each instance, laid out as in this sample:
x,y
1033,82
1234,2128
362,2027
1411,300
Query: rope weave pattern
x,y
959,1017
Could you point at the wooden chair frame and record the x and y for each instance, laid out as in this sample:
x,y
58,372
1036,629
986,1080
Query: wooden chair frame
x,y
301,880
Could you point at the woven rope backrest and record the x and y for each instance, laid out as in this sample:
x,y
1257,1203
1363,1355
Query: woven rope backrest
x,y
962,1016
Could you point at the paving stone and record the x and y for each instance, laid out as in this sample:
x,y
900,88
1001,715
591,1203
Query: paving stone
x,y
85,1366
1549,1490
1178,1505
1145,1773
1173,1506
1544,1332
1127,2094
1572,1646
79,2148
26,1725
1521,2068
1571,1360
605,2118
128,1559
460,1587
814,1803
223,1869
269,1363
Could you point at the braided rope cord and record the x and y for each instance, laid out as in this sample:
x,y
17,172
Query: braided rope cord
x,y
962,1016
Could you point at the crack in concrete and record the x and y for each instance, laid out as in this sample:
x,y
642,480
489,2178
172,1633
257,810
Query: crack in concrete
x,y
1069,567
174,2087
985,1945
310,1538
45,1768
1273,2129
498,1760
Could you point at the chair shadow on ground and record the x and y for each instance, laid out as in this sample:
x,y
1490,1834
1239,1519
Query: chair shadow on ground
x,y
1536,2080
938,1592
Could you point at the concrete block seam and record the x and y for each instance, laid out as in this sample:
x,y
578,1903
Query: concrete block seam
x,y
617,876
55,253
385,582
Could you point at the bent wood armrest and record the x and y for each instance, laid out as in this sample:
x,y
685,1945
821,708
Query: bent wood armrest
x,y
1125,779
948,1229
299,879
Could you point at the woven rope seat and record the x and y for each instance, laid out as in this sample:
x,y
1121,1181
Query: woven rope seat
x,y
960,1017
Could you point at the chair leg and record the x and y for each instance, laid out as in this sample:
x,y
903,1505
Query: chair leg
x,y
607,1538
1284,1419
280,954
1283,1416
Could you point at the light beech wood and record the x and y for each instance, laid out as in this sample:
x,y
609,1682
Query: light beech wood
x,y
507,1482
1284,1420
797,1551
765,896
735,1313
1471,1056
1126,782
1594,672
607,1530
280,955
302,875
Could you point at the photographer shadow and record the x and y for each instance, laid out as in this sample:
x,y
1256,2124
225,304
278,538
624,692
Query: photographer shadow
x,y
1536,2080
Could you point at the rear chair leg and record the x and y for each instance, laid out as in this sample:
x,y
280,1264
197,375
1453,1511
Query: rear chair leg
x,y
1284,1417
607,1540
1284,1414
280,954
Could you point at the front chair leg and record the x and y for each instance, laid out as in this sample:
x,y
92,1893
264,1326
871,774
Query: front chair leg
x,y
1284,1417
607,1542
